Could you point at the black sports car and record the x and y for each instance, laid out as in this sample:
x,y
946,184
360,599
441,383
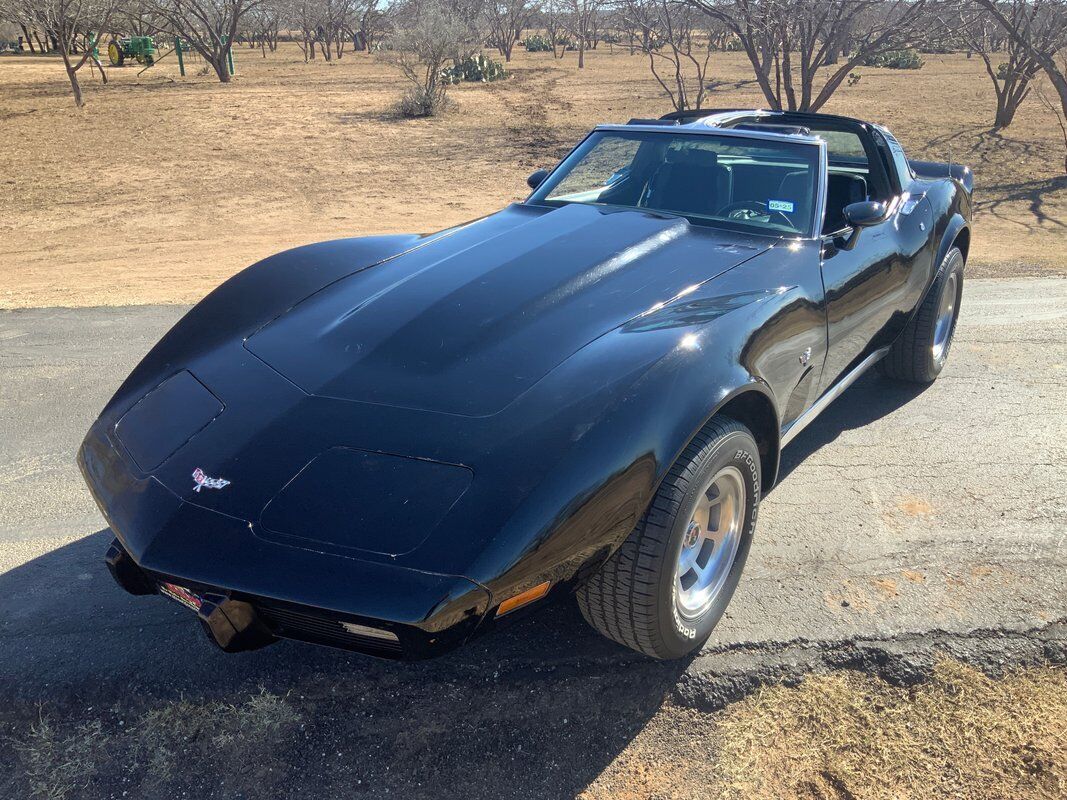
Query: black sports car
x,y
389,444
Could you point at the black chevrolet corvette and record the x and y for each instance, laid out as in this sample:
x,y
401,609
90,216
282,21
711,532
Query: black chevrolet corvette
x,y
389,444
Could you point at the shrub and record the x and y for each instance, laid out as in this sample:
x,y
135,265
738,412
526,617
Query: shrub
x,y
895,59
476,69
421,50
537,44
420,102
542,44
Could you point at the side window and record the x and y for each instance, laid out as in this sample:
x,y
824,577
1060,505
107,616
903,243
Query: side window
x,y
888,144
843,148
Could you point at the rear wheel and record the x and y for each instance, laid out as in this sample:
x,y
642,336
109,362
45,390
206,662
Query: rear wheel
x,y
115,54
922,350
667,587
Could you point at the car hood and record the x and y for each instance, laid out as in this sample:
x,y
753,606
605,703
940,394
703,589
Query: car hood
x,y
468,322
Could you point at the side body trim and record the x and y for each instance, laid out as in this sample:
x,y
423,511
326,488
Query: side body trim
x,y
835,391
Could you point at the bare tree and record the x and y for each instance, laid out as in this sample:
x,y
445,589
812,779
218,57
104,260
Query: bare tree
x,y
137,17
678,50
579,21
506,19
369,24
980,33
1042,32
552,19
75,26
304,16
788,41
263,25
209,26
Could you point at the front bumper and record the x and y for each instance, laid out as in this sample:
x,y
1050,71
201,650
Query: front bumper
x,y
259,590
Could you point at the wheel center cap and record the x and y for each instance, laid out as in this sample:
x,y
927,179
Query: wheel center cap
x,y
691,535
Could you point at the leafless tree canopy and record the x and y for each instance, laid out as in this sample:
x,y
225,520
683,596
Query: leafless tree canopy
x,y
1040,30
790,42
1010,66
209,26
673,34
579,19
506,20
73,26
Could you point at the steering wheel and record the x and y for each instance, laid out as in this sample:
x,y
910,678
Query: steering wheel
x,y
747,210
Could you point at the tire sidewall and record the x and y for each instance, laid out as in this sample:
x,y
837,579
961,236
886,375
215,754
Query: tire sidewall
x,y
952,264
737,449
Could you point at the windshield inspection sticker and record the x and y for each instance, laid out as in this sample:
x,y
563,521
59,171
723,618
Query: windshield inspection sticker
x,y
781,205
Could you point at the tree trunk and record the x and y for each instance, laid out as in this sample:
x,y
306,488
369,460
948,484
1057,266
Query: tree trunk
x,y
1005,113
220,67
72,74
29,40
581,52
99,66
1059,81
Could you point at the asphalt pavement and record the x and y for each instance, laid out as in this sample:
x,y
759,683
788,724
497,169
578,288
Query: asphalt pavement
x,y
907,519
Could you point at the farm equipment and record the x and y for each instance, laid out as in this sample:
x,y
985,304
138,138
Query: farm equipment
x,y
140,48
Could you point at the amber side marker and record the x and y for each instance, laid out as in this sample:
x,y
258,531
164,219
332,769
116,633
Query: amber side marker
x,y
523,598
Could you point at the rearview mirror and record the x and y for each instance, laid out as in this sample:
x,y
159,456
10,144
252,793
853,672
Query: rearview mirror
x,y
537,178
865,214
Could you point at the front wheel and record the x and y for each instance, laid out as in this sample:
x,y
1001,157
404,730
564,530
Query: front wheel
x,y
667,587
920,353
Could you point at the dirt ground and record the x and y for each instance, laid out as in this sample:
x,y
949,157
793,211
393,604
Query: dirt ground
x,y
961,734
847,735
164,186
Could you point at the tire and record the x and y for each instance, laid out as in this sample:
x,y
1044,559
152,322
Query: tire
x,y
115,55
921,351
638,598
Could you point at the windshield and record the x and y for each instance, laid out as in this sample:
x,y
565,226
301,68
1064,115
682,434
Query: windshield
x,y
728,181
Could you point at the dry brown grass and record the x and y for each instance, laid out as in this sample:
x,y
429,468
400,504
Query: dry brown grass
x,y
847,735
171,745
162,187
55,763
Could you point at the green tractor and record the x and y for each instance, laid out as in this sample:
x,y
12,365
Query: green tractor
x,y
141,48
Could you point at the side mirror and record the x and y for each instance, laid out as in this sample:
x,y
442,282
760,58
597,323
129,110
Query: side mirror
x,y
537,178
865,214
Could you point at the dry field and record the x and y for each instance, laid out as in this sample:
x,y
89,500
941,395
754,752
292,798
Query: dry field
x,y
164,186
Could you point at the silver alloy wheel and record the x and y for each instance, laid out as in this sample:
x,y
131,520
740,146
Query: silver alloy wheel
x,y
710,543
946,317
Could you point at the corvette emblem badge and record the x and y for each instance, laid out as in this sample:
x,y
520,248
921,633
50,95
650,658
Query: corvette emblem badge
x,y
203,480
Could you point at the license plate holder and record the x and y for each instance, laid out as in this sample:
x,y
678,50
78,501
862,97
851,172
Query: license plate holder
x,y
180,594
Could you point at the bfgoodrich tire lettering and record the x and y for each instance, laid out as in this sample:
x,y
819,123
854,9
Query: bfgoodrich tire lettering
x,y
633,598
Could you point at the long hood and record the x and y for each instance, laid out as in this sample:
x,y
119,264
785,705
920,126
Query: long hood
x,y
468,322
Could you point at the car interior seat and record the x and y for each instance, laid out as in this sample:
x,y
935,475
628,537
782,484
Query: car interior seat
x,y
689,181
842,190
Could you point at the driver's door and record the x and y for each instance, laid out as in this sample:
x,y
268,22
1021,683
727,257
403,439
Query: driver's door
x,y
873,279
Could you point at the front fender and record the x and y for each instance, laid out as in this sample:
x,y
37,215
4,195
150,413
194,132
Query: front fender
x,y
658,386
